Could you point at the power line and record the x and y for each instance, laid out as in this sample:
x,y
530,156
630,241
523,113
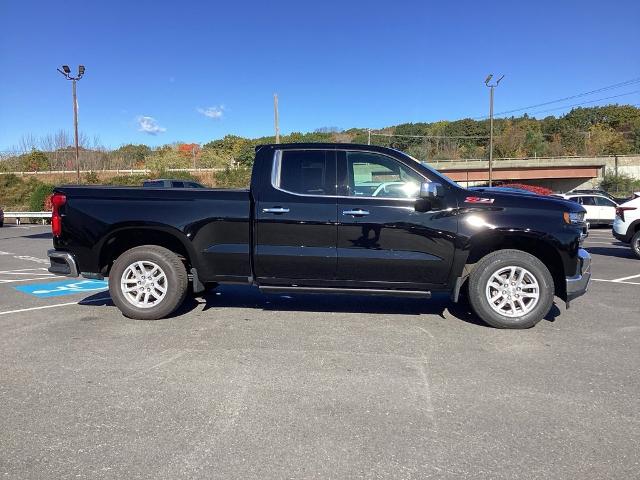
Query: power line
x,y
435,137
586,103
633,81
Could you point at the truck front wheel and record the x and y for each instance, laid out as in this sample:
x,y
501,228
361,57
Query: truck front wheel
x,y
511,289
148,282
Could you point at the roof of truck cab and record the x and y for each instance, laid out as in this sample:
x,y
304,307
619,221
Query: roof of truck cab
x,y
327,146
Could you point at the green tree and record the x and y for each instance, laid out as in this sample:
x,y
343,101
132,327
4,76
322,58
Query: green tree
x,y
131,152
604,140
35,161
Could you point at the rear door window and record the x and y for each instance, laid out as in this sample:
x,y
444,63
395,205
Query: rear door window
x,y
306,172
154,184
604,202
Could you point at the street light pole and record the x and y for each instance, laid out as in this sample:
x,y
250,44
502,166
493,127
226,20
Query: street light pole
x,y
276,117
491,87
75,127
66,72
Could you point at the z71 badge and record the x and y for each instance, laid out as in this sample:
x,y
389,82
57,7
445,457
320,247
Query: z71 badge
x,y
478,200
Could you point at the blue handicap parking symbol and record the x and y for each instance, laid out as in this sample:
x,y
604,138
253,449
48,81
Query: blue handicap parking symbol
x,y
66,287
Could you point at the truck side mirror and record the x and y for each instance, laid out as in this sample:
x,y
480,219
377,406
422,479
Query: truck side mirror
x,y
430,196
431,190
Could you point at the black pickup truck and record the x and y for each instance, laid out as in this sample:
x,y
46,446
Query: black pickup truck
x,y
326,218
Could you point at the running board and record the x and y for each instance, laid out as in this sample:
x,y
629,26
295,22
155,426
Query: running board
x,y
345,291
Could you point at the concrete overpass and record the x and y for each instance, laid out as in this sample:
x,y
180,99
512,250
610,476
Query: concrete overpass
x,y
557,173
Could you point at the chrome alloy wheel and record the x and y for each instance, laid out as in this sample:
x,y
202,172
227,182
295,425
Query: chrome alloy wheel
x,y
144,284
512,291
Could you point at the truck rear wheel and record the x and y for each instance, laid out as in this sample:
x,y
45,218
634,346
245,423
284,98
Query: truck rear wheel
x,y
511,289
148,282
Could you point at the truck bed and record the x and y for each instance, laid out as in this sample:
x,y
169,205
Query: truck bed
x,y
216,223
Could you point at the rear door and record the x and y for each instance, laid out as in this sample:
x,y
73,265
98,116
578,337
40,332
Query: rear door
x,y
296,219
382,238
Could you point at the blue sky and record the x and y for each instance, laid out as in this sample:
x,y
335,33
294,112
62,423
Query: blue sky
x,y
160,71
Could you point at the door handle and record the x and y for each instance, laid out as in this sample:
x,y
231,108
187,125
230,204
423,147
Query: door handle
x,y
275,210
358,212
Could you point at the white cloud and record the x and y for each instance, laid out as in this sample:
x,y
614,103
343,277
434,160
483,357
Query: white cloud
x,y
212,112
150,125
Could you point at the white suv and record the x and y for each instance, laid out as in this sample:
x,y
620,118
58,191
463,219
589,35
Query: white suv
x,y
600,209
626,226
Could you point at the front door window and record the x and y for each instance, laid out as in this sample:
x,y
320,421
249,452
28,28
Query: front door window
x,y
379,176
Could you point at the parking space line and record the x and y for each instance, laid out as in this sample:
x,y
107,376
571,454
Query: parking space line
x,y
18,270
32,259
16,280
12,276
614,281
42,307
625,278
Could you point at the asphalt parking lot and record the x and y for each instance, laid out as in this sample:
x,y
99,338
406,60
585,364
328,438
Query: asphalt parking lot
x,y
244,385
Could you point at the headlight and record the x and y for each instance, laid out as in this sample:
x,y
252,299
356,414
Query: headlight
x,y
573,218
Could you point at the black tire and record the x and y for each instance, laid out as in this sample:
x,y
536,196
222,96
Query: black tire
x,y
491,264
176,282
1,224
635,244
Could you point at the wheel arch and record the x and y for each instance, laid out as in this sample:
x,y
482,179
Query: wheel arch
x,y
633,228
534,244
123,238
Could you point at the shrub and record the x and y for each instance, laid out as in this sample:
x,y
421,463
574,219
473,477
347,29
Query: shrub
x,y
180,175
39,196
9,179
15,193
233,178
128,180
35,161
530,188
91,178
620,185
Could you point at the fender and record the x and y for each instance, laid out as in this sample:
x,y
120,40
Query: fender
x,y
539,244
148,227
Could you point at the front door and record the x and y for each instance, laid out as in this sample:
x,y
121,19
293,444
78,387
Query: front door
x,y
382,238
296,224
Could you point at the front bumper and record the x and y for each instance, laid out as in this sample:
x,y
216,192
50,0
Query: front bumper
x,y
620,230
620,237
62,263
578,284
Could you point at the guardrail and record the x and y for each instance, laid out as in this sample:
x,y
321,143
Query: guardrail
x,y
117,171
20,215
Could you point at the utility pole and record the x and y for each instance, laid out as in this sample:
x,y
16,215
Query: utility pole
x,y
66,71
276,118
369,141
491,87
